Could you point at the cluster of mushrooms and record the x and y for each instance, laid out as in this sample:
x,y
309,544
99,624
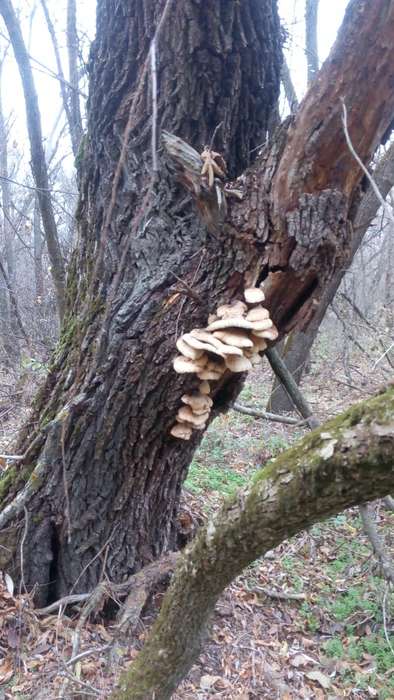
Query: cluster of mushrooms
x,y
233,339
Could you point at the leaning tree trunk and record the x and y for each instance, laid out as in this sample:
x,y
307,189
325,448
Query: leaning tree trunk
x,y
112,473
299,344
100,481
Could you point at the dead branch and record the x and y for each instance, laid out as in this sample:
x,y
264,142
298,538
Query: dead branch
x,y
275,417
377,541
286,378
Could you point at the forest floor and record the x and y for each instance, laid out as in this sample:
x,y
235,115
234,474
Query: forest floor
x,y
311,619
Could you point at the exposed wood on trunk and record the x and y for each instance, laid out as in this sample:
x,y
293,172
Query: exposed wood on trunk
x,y
101,423
346,462
367,28
38,163
123,469
299,343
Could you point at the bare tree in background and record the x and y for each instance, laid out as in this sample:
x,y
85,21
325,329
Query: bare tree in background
x,y
38,163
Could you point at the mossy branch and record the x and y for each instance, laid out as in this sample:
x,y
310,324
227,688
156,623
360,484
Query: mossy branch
x,y
346,462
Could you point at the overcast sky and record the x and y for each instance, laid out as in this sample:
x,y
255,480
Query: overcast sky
x,y
36,35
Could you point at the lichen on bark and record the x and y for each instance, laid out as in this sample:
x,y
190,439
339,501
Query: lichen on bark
x,y
305,484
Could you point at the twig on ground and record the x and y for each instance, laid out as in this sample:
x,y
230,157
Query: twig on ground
x,y
275,417
280,595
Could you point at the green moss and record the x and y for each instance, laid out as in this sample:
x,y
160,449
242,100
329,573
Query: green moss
x,y
6,480
307,451
79,158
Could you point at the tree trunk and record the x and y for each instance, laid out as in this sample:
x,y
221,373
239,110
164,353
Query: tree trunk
x,y
101,476
112,472
311,50
10,330
38,164
298,346
347,461
75,120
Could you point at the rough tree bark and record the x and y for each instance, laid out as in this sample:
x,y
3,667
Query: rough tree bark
x,y
38,164
101,476
345,462
299,343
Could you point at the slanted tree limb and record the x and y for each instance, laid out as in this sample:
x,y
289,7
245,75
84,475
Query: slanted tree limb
x,y
377,541
289,383
346,462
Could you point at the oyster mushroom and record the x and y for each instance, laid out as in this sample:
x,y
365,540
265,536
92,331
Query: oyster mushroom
x,y
187,415
234,336
262,325
254,295
181,431
238,308
259,313
259,344
269,333
187,350
234,322
183,365
198,402
204,388
238,364
207,341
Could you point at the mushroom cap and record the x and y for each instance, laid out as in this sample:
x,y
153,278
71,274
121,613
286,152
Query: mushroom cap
x,y
250,352
262,325
197,402
182,431
183,365
216,366
186,414
197,339
237,308
238,364
254,295
204,388
202,344
186,350
259,313
233,322
269,333
259,344
234,336
210,373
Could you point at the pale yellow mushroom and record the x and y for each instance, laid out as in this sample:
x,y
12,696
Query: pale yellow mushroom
x,y
234,336
181,431
186,414
254,295
204,388
238,364
187,350
259,313
235,322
